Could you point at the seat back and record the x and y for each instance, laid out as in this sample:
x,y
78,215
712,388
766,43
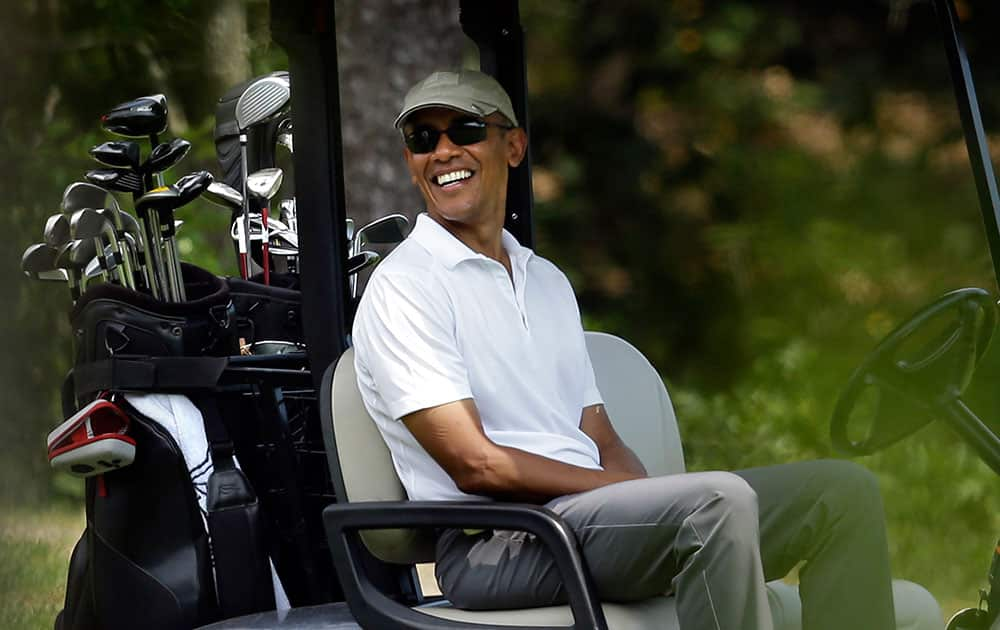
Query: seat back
x,y
637,403
361,466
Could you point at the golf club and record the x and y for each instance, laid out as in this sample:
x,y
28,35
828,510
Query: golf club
x,y
56,230
261,101
263,185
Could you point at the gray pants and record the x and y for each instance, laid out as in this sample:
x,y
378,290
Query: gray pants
x,y
711,538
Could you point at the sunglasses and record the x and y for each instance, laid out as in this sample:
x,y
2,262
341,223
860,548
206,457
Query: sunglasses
x,y
424,138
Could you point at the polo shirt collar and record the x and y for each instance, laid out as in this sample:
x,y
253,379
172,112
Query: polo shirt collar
x,y
450,251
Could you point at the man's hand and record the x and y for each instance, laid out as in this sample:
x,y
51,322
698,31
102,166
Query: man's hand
x,y
453,435
615,455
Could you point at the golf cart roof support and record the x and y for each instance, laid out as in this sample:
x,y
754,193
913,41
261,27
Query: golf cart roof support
x,y
495,27
306,29
972,123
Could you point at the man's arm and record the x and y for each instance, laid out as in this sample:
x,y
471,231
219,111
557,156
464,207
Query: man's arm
x,y
453,435
615,455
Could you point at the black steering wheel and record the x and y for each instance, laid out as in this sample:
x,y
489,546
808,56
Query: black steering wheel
x,y
926,361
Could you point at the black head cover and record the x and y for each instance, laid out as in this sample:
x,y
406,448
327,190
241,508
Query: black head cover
x,y
144,116
168,198
115,179
165,155
119,154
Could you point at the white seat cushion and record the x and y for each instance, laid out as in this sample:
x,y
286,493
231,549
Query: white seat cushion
x,y
916,609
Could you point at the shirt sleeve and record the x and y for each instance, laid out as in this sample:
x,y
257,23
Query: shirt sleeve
x,y
591,395
404,337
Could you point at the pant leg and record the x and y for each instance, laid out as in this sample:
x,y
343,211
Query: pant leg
x,y
695,534
828,514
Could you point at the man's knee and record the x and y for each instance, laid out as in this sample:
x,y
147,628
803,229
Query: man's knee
x,y
849,486
729,493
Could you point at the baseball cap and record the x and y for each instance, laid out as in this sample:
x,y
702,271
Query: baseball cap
x,y
468,91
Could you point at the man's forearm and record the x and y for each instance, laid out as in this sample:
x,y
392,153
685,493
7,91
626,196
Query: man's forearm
x,y
514,475
622,459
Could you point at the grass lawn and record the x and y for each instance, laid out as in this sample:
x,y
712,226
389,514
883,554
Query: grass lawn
x,y
35,546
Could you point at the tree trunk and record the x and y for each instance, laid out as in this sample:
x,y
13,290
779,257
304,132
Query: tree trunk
x,y
384,47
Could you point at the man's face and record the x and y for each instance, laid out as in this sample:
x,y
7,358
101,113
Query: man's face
x,y
464,184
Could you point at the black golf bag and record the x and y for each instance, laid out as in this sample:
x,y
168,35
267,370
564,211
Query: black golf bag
x,y
146,558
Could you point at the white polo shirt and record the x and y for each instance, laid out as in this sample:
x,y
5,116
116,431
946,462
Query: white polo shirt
x,y
439,322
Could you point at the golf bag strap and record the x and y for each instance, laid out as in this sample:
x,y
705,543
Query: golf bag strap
x,y
148,374
235,526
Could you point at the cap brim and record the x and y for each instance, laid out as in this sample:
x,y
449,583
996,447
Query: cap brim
x,y
475,109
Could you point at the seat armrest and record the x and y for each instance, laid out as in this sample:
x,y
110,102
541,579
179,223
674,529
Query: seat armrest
x,y
375,610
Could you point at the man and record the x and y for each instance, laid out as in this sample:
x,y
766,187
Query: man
x,y
471,359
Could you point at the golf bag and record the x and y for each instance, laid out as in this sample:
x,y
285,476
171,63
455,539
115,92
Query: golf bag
x,y
268,314
146,552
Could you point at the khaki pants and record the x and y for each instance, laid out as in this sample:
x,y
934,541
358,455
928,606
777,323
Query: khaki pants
x,y
711,538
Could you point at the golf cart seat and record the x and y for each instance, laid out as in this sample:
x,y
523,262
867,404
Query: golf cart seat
x,y
374,512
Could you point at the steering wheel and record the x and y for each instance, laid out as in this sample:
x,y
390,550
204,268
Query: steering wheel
x,y
926,361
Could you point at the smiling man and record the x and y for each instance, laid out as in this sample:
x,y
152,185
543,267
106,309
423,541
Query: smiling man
x,y
471,358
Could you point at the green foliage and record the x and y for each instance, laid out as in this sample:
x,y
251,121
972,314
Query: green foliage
x,y
755,222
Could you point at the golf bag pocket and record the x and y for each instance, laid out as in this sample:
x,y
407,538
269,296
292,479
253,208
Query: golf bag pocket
x,y
268,318
144,560
92,441
110,320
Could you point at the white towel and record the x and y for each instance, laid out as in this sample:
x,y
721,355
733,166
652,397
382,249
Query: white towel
x,y
178,415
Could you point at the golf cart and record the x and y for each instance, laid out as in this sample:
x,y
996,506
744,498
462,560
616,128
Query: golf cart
x,y
377,584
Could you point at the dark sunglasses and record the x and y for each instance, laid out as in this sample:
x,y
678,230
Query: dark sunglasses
x,y
424,138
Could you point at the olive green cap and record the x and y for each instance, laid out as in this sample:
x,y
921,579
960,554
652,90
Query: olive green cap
x,y
467,91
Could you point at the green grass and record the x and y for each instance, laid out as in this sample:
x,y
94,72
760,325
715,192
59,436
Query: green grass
x,y
35,546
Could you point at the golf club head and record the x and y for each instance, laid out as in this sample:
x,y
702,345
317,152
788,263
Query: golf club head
x,y
75,254
117,154
264,184
391,228
261,101
115,179
256,229
130,225
79,195
38,259
222,194
360,261
350,229
285,138
138,118
166,155
89,223
57,230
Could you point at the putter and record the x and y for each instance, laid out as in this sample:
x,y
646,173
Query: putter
x,y
261,101
263,185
